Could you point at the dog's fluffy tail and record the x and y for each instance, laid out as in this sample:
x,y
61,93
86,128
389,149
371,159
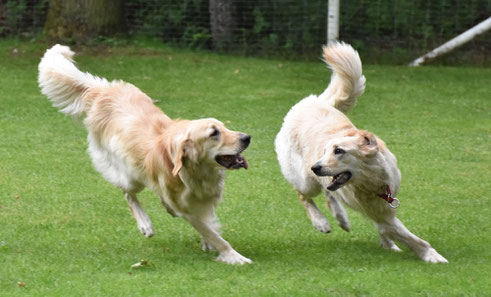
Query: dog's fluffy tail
x,y
63,83
347,81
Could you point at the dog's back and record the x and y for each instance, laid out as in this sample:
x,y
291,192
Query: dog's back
x,y
121,120
328,109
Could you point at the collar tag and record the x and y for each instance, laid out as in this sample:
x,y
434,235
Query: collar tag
x,y
395,203
387,196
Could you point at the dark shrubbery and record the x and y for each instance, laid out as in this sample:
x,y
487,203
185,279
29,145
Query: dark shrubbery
x,y
22,16
283,26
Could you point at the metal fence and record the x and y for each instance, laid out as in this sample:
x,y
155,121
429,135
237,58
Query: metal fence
x,y
397,28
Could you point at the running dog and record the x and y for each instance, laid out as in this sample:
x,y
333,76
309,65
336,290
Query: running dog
x,y
134,145
319,148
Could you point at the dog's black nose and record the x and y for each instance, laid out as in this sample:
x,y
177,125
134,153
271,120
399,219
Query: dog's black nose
x,y
317,168
245,139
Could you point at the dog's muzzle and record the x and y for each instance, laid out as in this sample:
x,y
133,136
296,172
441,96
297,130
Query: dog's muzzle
x,y
338,180
236,161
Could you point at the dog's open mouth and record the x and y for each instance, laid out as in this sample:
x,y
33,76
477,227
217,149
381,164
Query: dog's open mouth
x,y
232,161
339,180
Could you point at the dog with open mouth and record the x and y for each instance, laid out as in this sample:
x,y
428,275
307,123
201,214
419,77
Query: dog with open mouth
x,y
134,145
318,148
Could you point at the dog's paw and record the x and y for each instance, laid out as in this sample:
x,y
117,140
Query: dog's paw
x,y
389,245
432,256
232,257
321,224
146,229
395,248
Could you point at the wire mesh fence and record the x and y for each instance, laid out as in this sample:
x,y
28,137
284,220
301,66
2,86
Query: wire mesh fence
x,y
400,28
22,17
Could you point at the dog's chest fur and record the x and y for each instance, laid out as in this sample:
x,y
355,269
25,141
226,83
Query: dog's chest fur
x,y
204,183
197,186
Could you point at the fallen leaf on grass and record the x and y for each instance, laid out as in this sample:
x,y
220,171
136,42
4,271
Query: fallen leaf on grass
x,y
21,284
142,263
236,71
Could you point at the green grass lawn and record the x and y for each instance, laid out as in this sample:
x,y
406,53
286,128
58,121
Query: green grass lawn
x,y
65,231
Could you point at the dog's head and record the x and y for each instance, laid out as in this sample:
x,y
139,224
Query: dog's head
x,y
346,157
209,142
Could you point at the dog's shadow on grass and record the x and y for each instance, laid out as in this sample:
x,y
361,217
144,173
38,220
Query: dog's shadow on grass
x,y
321,253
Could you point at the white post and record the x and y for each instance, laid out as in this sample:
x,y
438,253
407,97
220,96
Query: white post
x,y
333,21
455,42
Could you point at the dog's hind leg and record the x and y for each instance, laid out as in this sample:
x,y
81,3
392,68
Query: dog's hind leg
x,y
142,220
338,211
315,215
395,230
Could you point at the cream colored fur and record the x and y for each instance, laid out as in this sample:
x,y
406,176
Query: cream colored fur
x,y
133,144
317,135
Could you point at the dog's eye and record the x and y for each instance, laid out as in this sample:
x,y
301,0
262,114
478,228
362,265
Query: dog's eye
x,y
215,133
338,151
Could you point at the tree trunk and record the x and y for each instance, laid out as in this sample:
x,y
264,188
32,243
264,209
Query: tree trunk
x,y
222,23
83,19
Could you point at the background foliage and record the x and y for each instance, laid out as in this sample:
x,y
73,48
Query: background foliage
x,y
395,28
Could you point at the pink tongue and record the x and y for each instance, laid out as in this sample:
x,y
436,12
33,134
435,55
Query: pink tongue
x,y
242,161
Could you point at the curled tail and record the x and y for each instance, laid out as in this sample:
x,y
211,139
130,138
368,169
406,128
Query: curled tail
x,y
347,81
63,83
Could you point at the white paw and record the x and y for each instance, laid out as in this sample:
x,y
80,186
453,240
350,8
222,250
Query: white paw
x,y
432,256
232,257
390,245
146,229
321,224
395,248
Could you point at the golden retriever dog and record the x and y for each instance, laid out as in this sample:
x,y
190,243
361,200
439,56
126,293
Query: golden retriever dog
x,y
319,148
133,144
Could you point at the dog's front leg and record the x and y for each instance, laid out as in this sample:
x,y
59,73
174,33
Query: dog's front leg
x,y
315,215
388,243
338,211
168,208
395,229
212,221
208,234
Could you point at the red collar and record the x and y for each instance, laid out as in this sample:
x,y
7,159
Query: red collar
x,y
387,196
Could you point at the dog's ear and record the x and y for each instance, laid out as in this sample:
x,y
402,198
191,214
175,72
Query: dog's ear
x,y
369,145
182,149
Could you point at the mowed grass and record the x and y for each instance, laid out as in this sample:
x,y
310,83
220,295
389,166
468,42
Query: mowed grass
x,y
65,231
